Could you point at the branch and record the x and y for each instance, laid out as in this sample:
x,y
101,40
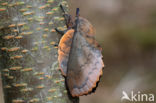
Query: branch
x,y
29,53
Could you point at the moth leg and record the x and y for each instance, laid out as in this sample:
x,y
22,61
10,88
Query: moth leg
x,y
67,17
61,32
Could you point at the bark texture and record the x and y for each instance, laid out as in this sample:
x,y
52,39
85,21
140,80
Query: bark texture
x,y
28,55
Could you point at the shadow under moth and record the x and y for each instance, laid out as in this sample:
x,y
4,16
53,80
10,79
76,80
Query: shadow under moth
x,y
79,55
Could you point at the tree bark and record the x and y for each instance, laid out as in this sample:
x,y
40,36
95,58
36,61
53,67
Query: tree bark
x,y
28,55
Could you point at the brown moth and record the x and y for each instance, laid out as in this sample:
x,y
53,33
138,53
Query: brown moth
x,y
79,56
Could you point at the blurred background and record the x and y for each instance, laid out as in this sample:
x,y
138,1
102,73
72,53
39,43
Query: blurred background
x,y
126,30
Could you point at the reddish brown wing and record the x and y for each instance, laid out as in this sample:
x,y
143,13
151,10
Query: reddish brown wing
x,y
84,65
64,49
89,31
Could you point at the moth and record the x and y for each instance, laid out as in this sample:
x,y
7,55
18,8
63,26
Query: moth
x,y
79,55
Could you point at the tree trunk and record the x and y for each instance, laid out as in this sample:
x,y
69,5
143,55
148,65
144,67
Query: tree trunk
x,y
28,55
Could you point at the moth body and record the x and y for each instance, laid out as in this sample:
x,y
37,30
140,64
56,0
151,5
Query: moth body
x,y
80,58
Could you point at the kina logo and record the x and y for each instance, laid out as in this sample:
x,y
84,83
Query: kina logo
x,y
137,97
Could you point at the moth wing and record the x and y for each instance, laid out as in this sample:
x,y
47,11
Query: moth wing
x,y
84,65
89,31
64,49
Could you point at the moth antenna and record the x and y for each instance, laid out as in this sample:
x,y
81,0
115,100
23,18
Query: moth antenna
x,y
67,17
77,12
77,18
62,9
